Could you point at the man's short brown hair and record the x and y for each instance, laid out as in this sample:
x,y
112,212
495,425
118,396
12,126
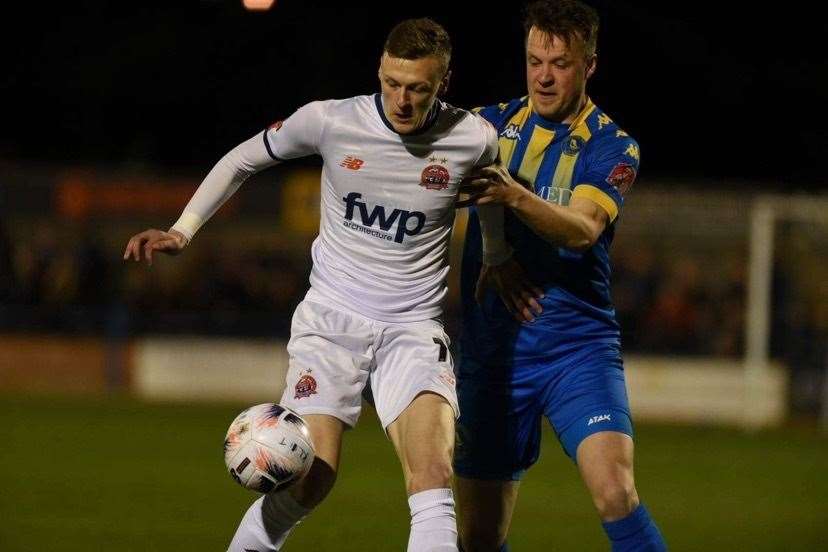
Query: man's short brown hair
x,y
567,19
419,38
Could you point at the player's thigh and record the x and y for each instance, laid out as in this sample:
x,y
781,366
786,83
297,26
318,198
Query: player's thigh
x,y
589,397
499,429
411,360
423,436
329,362
484,512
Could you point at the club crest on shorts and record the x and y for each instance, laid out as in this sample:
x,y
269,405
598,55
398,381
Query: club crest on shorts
x,y
435,177
305,387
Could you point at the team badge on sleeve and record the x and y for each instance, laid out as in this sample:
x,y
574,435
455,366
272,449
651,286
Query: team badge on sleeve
x,y
275,126
622,177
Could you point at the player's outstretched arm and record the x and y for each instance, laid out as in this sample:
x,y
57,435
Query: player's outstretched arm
x,y
152,240
217,187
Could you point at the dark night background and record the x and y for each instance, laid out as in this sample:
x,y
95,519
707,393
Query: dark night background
x,y
114,375
710,89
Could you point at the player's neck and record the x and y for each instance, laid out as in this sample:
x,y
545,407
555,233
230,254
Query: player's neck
x,y
575,114
428,121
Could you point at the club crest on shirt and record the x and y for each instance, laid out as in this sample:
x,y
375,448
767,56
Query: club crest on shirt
x,y
573,145
305,387
435,177
275,126
622,177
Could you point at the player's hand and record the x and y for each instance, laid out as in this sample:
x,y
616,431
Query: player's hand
x,y
515,289
152,240
492,184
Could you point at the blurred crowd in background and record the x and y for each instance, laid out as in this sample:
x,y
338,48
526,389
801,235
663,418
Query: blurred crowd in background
x,y
664,305
84,287
667,302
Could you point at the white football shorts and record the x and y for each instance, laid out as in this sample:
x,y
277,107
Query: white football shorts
x,y
334,352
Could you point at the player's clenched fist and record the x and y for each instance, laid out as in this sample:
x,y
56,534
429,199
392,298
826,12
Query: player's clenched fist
x,y
152,240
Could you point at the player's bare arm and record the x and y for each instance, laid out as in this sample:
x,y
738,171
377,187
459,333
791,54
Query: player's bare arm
x,y
576,226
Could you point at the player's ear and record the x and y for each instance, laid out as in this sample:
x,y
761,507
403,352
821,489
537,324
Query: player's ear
x,y
592,63
444,84
379,67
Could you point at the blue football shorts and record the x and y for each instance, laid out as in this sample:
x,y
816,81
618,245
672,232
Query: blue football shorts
x,y
580,391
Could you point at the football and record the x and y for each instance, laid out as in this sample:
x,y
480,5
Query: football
x,y
268,447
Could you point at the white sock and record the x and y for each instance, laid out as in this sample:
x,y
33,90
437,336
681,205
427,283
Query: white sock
x,y
433,524
267,523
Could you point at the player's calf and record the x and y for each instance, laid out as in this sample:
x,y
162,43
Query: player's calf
x,y
481,539
270,519
315,486
485,508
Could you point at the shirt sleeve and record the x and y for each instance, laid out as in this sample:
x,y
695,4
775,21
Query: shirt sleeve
x,y
490,146
495,248
222,182
299,135
609,170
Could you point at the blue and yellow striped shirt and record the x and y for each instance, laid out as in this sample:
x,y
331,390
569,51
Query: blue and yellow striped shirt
x,y
592,158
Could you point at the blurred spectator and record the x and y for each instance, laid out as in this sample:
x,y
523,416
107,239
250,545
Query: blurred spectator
x,y
634,279
67,280
672,305
7,276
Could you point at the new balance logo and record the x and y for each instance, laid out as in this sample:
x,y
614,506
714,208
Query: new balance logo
x,y
351,162
511,132
379,216
601,418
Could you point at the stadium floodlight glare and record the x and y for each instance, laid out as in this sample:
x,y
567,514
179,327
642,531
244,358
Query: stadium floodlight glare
x,y
258,5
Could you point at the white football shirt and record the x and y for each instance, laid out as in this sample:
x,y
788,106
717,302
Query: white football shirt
x,y
387,201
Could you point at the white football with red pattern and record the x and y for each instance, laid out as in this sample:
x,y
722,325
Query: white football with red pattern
x,y
268,447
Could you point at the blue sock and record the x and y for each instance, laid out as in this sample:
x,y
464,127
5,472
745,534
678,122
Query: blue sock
x,y
635,533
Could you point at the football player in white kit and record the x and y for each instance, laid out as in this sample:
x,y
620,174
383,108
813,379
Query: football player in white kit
x,y
392,165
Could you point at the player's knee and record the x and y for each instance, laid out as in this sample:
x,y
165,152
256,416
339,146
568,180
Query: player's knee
x,y
315,486
430,475
615,498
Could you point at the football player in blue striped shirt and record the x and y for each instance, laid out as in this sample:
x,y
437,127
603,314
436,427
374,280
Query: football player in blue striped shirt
x,y
565,168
